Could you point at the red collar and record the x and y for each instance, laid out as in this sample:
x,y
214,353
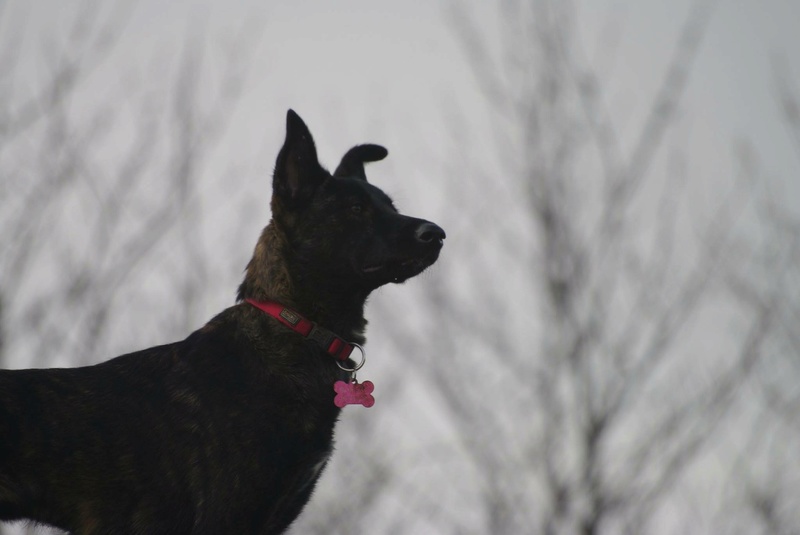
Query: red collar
x,y
335,346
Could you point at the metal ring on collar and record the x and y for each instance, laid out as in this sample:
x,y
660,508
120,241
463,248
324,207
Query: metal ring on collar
x,y
359,365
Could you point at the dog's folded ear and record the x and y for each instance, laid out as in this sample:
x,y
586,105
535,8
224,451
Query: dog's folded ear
x,y
297,170
352,163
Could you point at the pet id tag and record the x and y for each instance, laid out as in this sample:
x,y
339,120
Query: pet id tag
x,y
353,393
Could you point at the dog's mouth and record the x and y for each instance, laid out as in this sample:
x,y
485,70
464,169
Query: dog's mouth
x,y
411,263
398,270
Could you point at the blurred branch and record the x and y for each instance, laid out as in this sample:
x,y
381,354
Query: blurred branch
x,y
596,419
89,40
90,207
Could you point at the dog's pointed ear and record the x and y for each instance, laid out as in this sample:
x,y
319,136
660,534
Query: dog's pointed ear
x,y
297,170
353,162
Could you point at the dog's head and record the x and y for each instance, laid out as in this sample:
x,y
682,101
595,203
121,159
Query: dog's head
x,y
347,227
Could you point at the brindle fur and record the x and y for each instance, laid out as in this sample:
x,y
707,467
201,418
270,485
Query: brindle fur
x,y
227,430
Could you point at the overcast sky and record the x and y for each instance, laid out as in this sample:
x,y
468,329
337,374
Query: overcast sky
x,y
386,70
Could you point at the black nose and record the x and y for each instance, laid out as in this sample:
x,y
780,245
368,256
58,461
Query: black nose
x,y
428,232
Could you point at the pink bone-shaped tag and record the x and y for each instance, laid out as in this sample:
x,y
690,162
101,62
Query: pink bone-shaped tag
x,y
353,393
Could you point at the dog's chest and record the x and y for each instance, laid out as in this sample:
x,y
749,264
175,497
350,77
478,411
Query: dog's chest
x,y
313,471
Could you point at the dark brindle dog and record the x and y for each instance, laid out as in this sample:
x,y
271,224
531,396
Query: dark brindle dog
x,y
228,430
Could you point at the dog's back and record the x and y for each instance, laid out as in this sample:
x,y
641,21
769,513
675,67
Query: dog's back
x,y
161,441
228,430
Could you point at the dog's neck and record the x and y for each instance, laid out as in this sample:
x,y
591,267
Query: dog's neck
x,y
276,274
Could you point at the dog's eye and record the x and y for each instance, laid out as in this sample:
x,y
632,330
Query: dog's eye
x,y
357,208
